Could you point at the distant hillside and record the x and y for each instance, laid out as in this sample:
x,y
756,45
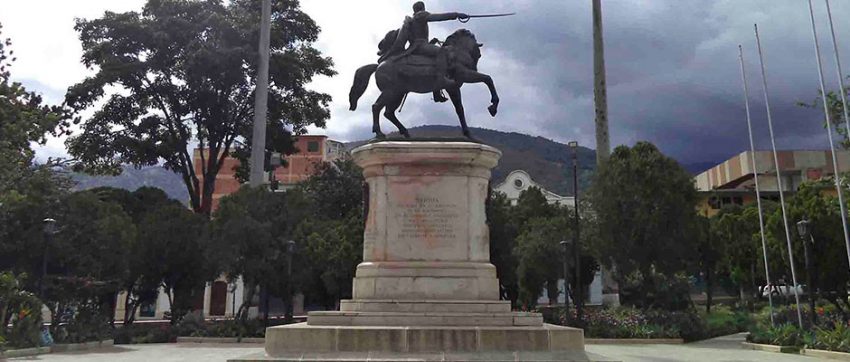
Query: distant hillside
x,y
132,178
548,162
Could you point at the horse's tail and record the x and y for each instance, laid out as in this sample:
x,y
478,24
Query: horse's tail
x,y
361,82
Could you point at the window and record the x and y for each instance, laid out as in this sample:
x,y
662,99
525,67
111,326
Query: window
x,y
313,146
518,183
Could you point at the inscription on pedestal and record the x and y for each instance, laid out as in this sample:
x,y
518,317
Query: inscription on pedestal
x,y
428,218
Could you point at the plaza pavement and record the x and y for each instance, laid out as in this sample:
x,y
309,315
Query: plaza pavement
x,y
726,348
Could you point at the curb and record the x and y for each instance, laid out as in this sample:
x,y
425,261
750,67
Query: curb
x,y
841,356
24,352
634,341
80,346
770,347
65,347
220,340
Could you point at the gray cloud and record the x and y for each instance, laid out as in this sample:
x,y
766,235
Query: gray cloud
x,y
672,70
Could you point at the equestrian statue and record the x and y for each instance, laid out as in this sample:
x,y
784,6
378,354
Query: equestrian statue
x,y
423,67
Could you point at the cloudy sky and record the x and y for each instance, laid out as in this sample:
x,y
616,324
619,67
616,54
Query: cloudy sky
x,y
672,67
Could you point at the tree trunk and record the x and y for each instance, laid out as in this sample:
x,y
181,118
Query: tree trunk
x,y
552,292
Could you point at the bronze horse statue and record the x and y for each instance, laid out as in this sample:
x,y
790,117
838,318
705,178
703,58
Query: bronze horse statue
x,y
404,73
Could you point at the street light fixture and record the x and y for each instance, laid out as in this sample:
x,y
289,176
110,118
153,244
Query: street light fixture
x,y
804,229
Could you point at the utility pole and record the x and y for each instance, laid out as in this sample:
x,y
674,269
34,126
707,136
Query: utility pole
x,y
261,99
600,98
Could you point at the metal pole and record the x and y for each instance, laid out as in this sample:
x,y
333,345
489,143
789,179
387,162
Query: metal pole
x,y
565,244
576,250
261,99
779,179
843,92
756,176
812,314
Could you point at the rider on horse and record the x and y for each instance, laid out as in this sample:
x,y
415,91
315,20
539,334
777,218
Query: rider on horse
x,y
415,31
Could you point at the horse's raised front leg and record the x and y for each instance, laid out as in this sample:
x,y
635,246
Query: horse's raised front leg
x,y
471,76
457,101
379,104
393,102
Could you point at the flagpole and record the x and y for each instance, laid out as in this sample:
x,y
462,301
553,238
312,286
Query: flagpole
x,y
779,180
756,175
842,91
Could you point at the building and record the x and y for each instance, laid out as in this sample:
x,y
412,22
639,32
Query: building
x,y
518,181
732,182
312,150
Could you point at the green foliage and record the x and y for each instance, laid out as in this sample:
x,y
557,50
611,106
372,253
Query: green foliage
x,y
815,202
174,251
539,256
781,335
836,338
249,232
330,229
625,322
503,233
188,71
836,112
644,202
23,120
21,309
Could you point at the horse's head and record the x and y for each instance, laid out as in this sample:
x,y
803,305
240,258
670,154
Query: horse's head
x,y
463,40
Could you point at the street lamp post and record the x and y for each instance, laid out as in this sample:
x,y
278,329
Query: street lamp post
x,y
565,245
290,249
579,291
49,230
805,231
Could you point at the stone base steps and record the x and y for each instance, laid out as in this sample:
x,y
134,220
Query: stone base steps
x,y
341,318
303,338
425,306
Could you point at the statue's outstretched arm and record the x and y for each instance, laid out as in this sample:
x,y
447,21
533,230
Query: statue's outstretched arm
x,y
445,16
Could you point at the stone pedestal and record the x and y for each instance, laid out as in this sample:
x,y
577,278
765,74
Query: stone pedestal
x,y
426,283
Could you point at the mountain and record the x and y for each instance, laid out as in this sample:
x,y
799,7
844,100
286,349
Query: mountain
x,y
548,162
132,178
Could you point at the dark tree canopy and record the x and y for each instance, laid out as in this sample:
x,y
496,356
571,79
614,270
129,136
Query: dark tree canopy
x,y
645,205
186,71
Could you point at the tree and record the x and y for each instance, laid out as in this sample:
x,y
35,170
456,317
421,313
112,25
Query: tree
x,y
503,233
187,69
814,202
145,265
644,203
174,241
87,256
836,112
330,232
250,230
23,120
539,258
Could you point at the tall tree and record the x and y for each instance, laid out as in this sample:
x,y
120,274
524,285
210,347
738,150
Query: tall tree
x,y
503,233
645,204
187,73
